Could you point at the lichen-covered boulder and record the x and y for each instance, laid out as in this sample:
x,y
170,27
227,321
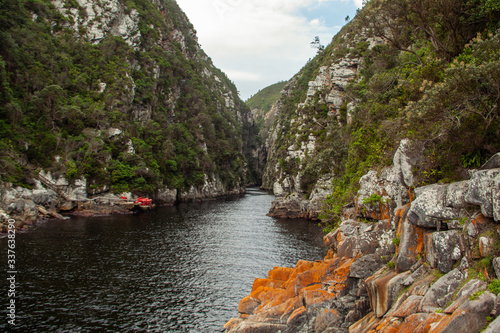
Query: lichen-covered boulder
x,y
411,241
468,317
443,249
383,288
484,190
428,210
441,291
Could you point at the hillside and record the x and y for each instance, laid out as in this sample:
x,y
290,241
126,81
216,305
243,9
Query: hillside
x,y
117,97
390,137
377,83
265,98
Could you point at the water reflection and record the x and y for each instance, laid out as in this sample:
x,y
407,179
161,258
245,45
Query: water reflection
x,y
176,269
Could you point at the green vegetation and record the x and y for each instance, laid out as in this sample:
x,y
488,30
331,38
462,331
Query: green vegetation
x,y
61,97
265,98
494,286
372,199
433,79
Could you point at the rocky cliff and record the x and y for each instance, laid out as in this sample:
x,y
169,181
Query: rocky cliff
x,y
427,261
373,86
390,136
117,96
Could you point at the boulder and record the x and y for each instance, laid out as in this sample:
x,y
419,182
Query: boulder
x,y
455,194
166,196
365,266
441,291
355,239
428,210
383,289
463,294
496,266
443,249
468,317
486,246
492,163
482,189
495,197
408,307
411,244
493,327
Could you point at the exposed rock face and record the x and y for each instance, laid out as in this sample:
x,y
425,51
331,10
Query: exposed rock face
x,y
102,18
212,188
411,272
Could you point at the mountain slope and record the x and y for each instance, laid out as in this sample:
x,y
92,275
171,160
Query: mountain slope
x,y
120,93
398,70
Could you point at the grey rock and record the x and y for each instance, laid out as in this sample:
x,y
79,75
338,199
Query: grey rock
x,y
404,162
468,317
492,163
495,197
463,294
407,255
443,249
455,194
383,290
441,291
493,327
365,266
361,239
496,266
496,309
326,318
428,210
482,190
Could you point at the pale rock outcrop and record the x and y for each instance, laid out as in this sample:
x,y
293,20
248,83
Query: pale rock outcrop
x,y
166,196
441,291
443,249
484,190
391,186
103,18
429,210
212,188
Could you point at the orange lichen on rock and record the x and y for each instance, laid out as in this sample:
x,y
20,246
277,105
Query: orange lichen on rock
x,y
336,274
280,273
312,297
296,313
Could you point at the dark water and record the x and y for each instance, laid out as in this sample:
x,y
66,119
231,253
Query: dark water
x,y
177,269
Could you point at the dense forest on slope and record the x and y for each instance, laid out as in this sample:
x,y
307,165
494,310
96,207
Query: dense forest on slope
x,y
427,71
131,111
265,98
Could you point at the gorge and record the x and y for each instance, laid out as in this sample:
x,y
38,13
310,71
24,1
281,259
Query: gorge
x,y
389,138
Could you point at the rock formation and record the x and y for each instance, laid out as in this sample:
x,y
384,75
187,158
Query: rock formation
x,y
420,264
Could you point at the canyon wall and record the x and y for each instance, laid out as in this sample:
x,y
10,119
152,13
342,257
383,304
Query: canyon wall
x,y
120,97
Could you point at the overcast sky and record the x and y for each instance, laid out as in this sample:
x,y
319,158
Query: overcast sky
x,y
260,42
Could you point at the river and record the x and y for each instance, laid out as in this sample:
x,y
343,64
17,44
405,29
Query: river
x,y
175,269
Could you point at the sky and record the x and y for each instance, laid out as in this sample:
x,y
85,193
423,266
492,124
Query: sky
x,y
260,42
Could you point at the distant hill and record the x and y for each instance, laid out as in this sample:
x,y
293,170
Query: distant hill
x,y
266,97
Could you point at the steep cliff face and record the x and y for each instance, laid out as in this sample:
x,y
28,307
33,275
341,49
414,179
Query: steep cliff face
x,y
397,120
429,265
117,95
373,86
308,143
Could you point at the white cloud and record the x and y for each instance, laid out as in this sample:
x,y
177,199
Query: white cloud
x,y
260,42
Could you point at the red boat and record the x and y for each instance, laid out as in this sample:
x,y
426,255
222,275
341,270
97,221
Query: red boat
x,y
143,201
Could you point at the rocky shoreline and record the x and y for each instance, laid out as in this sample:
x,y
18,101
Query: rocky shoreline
x,y
423,259
53,196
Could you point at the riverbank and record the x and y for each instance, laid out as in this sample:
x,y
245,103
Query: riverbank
x,y
187,266
424,259
53,196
